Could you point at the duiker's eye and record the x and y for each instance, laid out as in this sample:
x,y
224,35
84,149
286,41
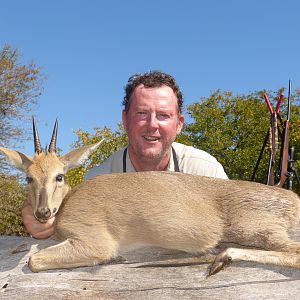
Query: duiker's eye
x,y
59,177
29,179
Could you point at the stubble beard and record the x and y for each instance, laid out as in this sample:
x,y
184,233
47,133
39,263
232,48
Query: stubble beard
x,y
154,156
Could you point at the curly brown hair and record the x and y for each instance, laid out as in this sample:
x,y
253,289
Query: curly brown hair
x,y
151,79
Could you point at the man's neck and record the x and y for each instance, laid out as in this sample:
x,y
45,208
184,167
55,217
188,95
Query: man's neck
x,y
149,164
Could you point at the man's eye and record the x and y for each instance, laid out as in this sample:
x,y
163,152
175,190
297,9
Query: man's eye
x,y
29,179
163,116
59,177
141,115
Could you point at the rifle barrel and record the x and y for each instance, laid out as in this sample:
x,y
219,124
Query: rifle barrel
x,y
289,101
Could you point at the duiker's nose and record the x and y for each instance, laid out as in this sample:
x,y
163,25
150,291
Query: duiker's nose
x,y
43,213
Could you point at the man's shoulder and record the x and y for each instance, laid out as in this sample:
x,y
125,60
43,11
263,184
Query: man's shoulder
x,y
118,154
195,161
189,152
112,164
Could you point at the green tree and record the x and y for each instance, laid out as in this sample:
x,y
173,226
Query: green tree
x,y
233,127
20,86
113,141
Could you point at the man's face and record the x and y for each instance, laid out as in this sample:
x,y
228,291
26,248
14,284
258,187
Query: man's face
x,y
152,122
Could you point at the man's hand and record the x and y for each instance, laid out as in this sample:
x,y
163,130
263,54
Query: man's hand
x,y
35,228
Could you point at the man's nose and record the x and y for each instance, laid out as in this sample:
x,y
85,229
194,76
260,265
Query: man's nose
x,y
153,121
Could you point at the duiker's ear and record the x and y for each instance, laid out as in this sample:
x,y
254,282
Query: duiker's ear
x,y
76,157
16,158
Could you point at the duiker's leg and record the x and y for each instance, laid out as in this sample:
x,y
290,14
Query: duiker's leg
x,y
283,251
261,256
72,253
266,233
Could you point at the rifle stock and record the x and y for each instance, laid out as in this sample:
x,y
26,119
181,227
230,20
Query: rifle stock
x,y
284,157
284,153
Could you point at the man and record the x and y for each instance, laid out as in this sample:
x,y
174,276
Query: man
x,y
152,117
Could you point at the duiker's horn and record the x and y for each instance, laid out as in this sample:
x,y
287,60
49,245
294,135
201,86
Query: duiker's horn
x,y
52,146
37,144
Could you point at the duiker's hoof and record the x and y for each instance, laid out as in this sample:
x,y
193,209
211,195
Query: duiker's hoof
x,y
35,264
31,265
221,261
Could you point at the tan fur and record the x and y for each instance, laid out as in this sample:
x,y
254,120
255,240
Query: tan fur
x,y
171,210
44,190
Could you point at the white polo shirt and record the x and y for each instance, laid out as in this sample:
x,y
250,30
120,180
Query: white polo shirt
x,y
190,160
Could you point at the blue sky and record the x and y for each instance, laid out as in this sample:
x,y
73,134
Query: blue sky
x,y
89,48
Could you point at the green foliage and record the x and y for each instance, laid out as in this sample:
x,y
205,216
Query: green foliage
x,y
20,86
12,196
113,141
232,128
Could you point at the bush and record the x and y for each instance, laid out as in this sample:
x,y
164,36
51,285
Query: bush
x,y
12,195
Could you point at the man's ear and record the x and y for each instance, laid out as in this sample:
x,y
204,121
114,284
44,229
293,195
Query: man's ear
x,y
76,157
180,123
124,119
16,158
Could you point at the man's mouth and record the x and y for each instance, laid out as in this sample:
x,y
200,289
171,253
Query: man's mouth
x,y
151,138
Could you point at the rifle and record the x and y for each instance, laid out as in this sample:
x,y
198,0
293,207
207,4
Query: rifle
x,y
286,169
273,136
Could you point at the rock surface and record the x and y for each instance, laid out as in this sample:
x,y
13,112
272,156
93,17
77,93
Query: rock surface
x,y
149,273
